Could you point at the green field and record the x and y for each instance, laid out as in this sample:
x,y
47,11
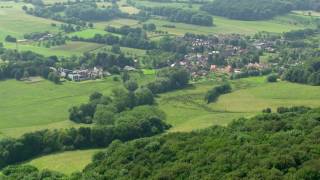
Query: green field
x,y
186,109
166,4
66,162
229,26
69,49
87,33
125,50
38,105
14,21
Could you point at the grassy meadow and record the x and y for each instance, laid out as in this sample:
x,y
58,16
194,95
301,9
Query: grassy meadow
x,y
37,105
186,109
14,21
32,105
66,162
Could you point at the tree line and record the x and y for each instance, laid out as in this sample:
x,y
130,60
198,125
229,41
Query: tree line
x,y
24,64
213,94
179,15
139,122
307,74
78,13
248,9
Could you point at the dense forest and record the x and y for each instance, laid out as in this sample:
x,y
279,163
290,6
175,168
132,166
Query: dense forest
x,y
282,145
257,9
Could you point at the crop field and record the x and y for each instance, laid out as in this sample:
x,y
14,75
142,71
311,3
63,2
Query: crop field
x,y
14,21
186,109
66,162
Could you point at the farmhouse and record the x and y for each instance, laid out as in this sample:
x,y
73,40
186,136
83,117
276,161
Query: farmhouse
x,y
80,75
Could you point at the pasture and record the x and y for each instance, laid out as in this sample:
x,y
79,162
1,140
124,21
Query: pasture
x,y
186,109
87,33
69,49
14,21
38,105
66,162
32,105
126,50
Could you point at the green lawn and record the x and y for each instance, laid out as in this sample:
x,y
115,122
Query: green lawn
x,y
66,162
186,109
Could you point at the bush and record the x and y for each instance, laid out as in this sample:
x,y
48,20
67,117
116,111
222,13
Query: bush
x,y
272,78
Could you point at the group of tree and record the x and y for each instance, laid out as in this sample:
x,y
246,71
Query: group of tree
x,y
305,74
213,94
180,15
300,34
248,9
22,64
11,39
78,13
106,109
131,40
142,121
169,79
268,146
251,72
